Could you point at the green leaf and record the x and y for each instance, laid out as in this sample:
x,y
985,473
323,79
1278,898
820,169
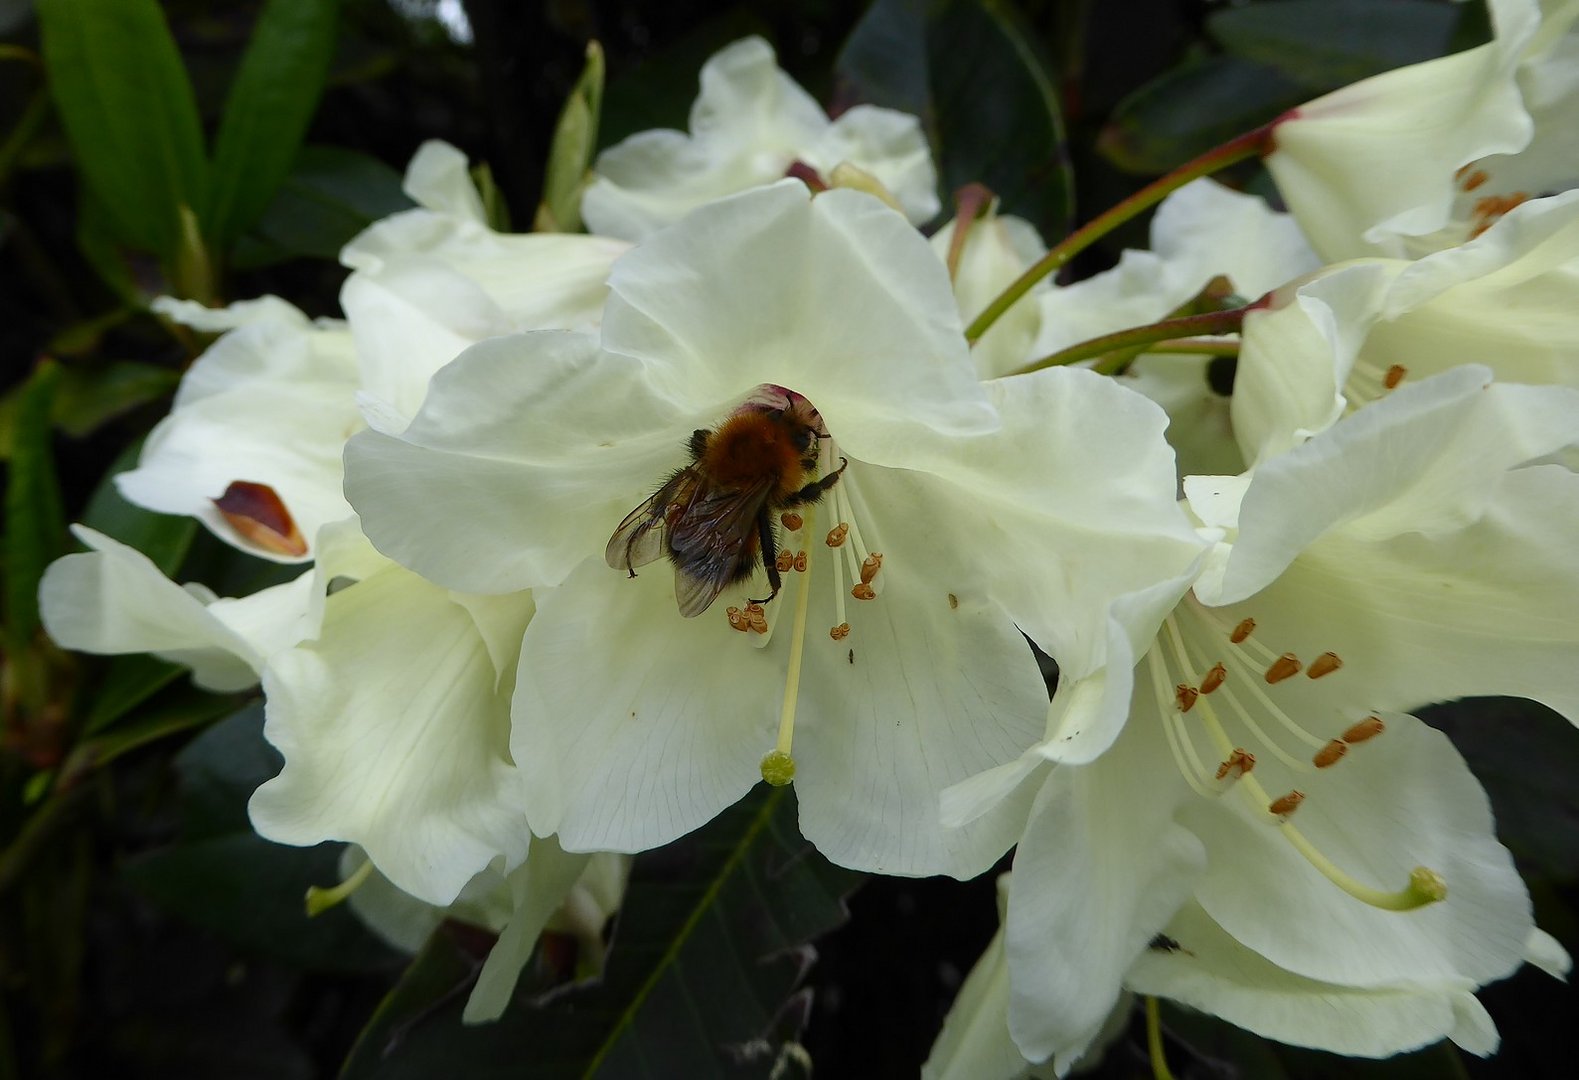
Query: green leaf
x,y
271,101
35,524
330,195
128,109
975,72
707,954
575,141
164,538
1324,44
180,711
87,399
128,681
1185,112
225,878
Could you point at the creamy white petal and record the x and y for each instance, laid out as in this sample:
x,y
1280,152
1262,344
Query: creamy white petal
x,y
835,297
892,147
406,922
1400,800
271,402
628,730
1213,972
437,178
1101,840
112,599
537,888
395,738
998,249
525,457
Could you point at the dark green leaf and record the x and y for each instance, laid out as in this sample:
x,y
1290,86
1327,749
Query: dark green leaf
x,y
1324,44
86,399
128,109
998,117
180,711
974,73
266,114
708,950
330,195
1185,112
128,681
164,538
225,878
35,525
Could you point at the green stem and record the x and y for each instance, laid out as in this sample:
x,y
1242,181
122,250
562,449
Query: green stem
x,y
1159,1059
1234,150
1123,343
1203,346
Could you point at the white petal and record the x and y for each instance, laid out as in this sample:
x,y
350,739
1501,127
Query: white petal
x,y
974,1043
528,452
1401,800
892,147
438,179
746,126
537,888
271,402
1212,972
1413,125
1425,460
114,600
998,249
391,742
835,297
405,922
1548,954
633,725
1101,868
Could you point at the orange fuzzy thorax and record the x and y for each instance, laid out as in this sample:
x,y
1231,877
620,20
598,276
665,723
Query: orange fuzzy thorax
x,y
750,446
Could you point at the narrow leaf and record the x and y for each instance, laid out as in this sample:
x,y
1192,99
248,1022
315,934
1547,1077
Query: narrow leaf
x,y
128,109
575,141
266,114
35,525
1324,44
330,195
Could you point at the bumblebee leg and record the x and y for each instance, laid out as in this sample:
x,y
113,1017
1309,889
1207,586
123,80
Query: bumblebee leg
x,y
814,490
769,549
697,444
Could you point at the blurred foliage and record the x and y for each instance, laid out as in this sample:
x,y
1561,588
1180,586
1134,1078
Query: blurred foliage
x,y
226,150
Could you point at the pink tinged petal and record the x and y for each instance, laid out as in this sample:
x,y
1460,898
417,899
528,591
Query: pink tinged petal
x,y
114,600
260,516
633,725
1212,972
395,738
836,297
528,452
1402,799
1101,842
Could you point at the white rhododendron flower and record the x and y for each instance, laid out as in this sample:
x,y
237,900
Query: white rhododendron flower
x,y
1268,800
1352,332
1427,156
1203,231
749,125
965,513
271,403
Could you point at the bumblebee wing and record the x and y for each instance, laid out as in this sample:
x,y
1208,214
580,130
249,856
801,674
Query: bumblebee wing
x,y
639,539
715,543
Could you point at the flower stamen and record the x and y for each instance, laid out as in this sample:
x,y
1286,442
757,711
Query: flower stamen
x,y
320,899
778,766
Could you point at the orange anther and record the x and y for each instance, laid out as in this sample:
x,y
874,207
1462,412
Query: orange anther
x,y
1283,667
1325,664
738,619
1184,696
1239,762
1242,631
870,566
1394,376
800,561
1474,179
1368,728
863,591
1214,678
840,632
786,562
1330,754
257,512
791,520
1287,804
